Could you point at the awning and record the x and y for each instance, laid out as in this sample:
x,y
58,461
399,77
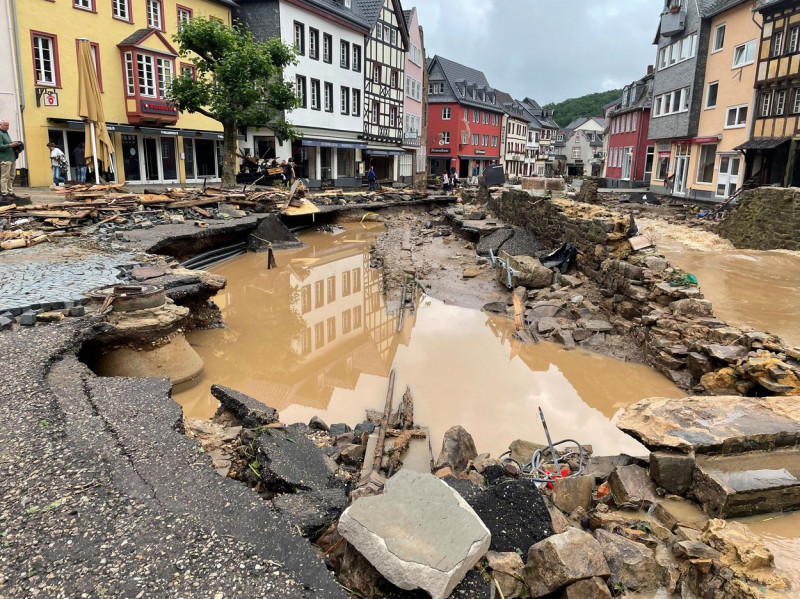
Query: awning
x,y
699,140
326,143
765,143
79,125
479,157
166,131
385,152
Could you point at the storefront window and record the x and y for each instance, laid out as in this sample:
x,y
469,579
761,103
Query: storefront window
x,y
345,162
705,165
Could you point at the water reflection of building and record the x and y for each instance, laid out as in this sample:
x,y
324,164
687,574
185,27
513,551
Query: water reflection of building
x,y
345,329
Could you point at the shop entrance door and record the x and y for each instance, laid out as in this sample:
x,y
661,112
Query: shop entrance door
x,y
681,168
160,160
728,177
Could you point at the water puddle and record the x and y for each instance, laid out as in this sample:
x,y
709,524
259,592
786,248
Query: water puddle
x,y
313,337
746,287
781,534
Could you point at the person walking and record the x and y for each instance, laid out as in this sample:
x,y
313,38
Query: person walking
x,y
57,160
445,182
79,160
8,157
454,180
372,178
474,179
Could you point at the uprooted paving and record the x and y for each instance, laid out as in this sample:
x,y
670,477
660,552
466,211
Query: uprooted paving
x,y
102,494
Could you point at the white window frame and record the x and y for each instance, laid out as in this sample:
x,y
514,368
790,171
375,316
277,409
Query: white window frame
x,y
120,9
796,107
155,18
766,103
344,54
776,48
746,48
146,70
794,34
718,44
45,44
328,96
82,4
707,106
485,140
677,97
446,112
314,93
476,139
356,66
464,138
738,108
780,102
494,141
355,108
446,137
130,82
166,71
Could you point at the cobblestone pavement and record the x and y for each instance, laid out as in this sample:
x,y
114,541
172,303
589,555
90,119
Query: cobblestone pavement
x,y
37,277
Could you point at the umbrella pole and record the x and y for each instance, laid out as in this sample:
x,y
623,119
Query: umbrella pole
x,y
94,153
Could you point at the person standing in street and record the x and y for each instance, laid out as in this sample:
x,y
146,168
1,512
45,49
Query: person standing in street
x,y
8,158
372,178
474,179
57,159
79,160
445,182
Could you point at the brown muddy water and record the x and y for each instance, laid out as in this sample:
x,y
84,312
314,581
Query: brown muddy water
x,y
314,337
751,288
781,533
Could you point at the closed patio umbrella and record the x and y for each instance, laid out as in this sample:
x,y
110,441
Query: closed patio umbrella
x,y
90,109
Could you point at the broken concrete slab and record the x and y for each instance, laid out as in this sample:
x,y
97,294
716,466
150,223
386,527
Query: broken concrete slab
x,y
713,424
311,512
419,534
563,559
251,412
528,272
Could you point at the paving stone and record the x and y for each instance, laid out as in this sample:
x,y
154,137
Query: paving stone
x,y
28,318
5,323
77,311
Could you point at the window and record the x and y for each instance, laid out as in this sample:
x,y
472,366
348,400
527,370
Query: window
x,y
446,113
346,278
415,55
576,152
476,116
345,98
84,4
331,289
187,70
331,322
375,114
299,38
796,107
387,34
328,97
315,94
393,116
120,9
154,12
780,101
634,118
356,102
475,139
705,166
184,17
736,116
744,54
165,72
344,55
495,120
719,38
130,86
494,141
485,140
347,323
327,47
413,89
347,3
446,137
300,89
711,94
678,51
356,57
319,335
794,33
435,88
766,99
394,37
357,309
777,43
485,118
313,43
147,86
671,102
376,73
560,137
464,137
394,78
45,59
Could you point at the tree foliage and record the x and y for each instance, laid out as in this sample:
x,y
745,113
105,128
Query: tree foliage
x,y
239,81
584,106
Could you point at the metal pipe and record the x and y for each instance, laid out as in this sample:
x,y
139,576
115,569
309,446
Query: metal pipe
x,y
387,408
550,443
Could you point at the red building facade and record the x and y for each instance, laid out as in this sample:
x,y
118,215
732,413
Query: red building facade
x,y
464,119
630,157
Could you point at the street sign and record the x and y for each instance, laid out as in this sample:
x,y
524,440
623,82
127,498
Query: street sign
x,y
50,99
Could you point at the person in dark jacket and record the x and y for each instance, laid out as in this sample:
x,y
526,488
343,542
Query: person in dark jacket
x,y
79,160
372,178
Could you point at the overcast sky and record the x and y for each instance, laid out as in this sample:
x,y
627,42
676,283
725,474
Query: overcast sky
x,y
549,50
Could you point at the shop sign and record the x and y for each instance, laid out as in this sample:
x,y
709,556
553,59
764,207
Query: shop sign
x,y
664,154
439,150
480,151
151,107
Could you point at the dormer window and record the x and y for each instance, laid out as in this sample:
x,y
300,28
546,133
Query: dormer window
x,y
348,3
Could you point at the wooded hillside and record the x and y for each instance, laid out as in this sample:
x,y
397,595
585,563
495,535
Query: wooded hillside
x,y
589,105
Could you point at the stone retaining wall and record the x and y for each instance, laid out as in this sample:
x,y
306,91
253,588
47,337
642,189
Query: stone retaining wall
x,y
673,324
768,218
588,190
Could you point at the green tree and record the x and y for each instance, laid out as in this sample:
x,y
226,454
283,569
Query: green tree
x,y
239,82
586,106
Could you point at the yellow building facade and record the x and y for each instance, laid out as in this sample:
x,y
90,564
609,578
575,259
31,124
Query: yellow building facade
x,y
716,168
135,58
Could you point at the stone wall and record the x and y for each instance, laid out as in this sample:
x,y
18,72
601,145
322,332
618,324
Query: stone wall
x,y
768,218
588,190
548,183
674,325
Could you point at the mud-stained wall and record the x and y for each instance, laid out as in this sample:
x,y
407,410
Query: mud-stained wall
x,y
672,323
768,218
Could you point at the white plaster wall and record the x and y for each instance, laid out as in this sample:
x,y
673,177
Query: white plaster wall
x,y
319,69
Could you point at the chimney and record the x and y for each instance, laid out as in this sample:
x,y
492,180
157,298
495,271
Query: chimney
x,y
649,69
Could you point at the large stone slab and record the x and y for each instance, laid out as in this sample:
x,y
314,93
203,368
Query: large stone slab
x,y
718,424
419,534
632,564
747,484
562,559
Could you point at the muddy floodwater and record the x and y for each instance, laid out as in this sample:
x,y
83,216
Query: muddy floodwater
x,y
314,337
751,288
781,533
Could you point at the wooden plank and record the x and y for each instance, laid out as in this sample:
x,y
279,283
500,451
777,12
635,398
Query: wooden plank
x,y
193,203
9,207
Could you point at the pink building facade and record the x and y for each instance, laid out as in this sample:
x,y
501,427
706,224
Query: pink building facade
x,y
413,162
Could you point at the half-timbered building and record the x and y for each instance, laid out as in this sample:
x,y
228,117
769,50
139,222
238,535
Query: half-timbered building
x,y
772,154
385,50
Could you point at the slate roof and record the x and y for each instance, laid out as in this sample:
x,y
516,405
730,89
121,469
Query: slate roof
x,y
136,37
509,105
643,101
407,16
716,7
456,73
